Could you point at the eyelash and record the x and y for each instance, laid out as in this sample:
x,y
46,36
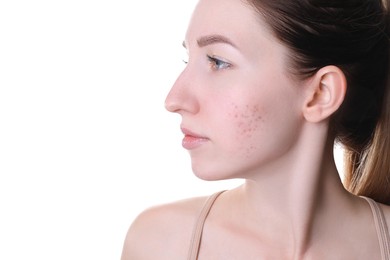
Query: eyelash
x,y
218,64
215,63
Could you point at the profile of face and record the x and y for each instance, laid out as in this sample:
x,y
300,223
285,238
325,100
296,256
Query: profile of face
x,y
240,108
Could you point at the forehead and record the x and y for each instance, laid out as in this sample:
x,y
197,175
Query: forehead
x,y
211,15
234,19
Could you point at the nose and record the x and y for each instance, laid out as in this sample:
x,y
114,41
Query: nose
x,y
182,97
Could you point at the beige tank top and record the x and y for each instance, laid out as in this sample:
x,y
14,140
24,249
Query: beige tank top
x,y
379,220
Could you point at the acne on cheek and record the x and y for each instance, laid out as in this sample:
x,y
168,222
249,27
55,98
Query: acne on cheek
x,y
248,120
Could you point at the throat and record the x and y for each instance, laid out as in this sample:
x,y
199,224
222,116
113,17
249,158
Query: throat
x,y
286,211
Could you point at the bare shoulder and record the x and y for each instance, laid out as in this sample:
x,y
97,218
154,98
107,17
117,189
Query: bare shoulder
x,y
164,231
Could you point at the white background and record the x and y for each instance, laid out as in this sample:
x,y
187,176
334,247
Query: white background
x,y
85,141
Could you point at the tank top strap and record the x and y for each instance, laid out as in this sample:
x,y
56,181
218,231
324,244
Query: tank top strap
x,y
198,229
381,228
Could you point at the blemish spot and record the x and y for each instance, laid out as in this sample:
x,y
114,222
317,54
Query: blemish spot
x,y
248,118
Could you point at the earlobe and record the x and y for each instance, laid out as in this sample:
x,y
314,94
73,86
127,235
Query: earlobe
x,y
326,94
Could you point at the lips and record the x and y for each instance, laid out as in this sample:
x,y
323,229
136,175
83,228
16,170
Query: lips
x,y
192,140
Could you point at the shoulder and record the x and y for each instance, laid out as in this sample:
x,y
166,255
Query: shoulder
x,y
386,213
385,210
164,231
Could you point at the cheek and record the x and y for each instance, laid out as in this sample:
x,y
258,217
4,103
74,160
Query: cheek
x,y
248,121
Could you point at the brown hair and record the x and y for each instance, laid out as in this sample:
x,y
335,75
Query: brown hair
x,y
353,35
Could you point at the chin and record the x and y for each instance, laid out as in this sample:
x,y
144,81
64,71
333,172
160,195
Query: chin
x,y
210,175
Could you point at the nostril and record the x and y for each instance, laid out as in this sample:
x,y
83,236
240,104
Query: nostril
x,y
170,104
175,98
181,101
169,107
182,96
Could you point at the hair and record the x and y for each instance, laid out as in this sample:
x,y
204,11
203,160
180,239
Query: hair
x,y
352,35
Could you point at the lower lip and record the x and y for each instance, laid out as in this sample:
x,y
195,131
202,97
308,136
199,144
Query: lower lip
x,y
192,142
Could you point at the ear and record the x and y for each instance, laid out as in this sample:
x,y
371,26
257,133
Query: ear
x,y
326,94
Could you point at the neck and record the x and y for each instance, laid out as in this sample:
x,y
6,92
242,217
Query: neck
x,y
296,196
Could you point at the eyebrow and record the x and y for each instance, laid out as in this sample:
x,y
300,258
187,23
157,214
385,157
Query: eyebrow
x,y
212,39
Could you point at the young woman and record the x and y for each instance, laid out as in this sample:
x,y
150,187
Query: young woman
x,y
269,86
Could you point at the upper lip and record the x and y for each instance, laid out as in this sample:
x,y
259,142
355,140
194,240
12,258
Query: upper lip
x,y
188,132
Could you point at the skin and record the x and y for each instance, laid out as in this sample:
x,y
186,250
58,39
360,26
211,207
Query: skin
x,y
258,123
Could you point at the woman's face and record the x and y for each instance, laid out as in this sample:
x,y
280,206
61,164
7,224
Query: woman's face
x,y
240,109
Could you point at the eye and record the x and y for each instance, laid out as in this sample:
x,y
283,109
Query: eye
x,y
218,64
184,54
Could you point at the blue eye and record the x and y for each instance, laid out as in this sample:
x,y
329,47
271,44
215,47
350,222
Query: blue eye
x,y
217,64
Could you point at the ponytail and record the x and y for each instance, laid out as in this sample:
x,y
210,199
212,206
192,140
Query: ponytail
x,y
367,172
